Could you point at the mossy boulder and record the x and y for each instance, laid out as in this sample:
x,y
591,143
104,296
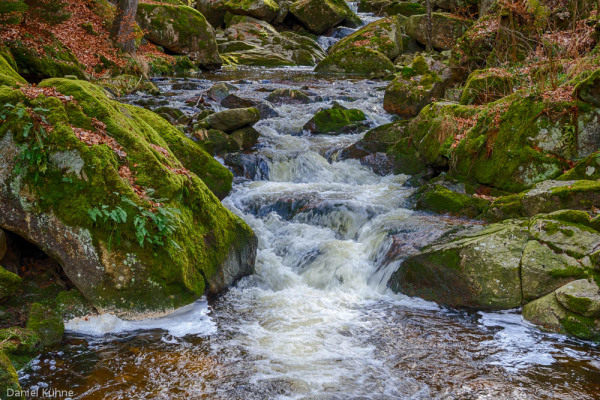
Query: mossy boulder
x,y
414,88
246,137
384,36
359,61
8,76
288,96
474,48
581,296
121,198
447,28
9,380
181,30
46,324
588,90
219,91
265,10
486,86
454,5
249,41
478,269
586,169
230,120
392,7
320,15
442,200
336,120
56,60
265,108
216,142
72,304
9,282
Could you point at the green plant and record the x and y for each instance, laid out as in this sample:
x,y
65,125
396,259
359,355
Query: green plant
x,y
163,223
50,11
11,11
112,217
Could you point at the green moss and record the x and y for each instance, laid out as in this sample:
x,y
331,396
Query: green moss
x,y
335,120
357,61
46,324
485,86
442,200
9,283
8,76
8,376
71,304
580,326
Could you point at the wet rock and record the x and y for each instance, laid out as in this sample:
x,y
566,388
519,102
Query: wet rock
x,y
357,61
246,137
216,142
478,270
486,86
219,91
447,29
440,199
248,166
336,120
288,96
174,115
321,15
185,86
181,30
248,41
46,324
72,304
230,120
264,107
9,283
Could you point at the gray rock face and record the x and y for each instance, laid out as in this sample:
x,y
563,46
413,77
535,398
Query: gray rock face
x,y
230,120
581,296
239,263
446,29
321,15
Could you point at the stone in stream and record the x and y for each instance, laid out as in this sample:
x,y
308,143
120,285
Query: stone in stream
x,y
182,30
230,120
46,324
219,91
264,107
105,155
336,120
320,15
288,96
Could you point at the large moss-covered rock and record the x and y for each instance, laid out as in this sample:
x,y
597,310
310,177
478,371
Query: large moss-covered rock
x,y
8,76
336,120
216,11
473,49
359,61
121,198
413,89
479,270
384,36
216,142
230,120
486,86
9,282
392,7
249,41
56,60
447,28
321,15
581,296
46,324
442,200
586,169
182,30
9,380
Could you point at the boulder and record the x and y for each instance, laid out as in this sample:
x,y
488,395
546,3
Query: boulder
x,y
586,169
581,296
447,28
415,87
248,41
392,7
219,91
384,36
46,324
320,15
216,142
288,96
216,11
478,269
588,90
8,76
264,107
453,5
246,137
230,120
9,283
357,61
181,30
440,199
9,380
486,86
336,120
92,203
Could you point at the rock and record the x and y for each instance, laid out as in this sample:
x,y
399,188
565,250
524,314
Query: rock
x,y
219,91
478,270
336,120
264,107
447,29
185,86
545,197
3,245
46,324
391,7
17,341
71,304
213,11
384,36
581,297
246,137
9,380
124,85
181,30
414,88
248,41
441,200
566,233
8,76
487,85
474,49
117,266
230,120
216,142
453,5
588,90
357,61
320,15
288,96
265,10
174,115
9,283
586,169
543,270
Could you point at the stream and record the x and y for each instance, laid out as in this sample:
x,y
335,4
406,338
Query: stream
x,y
316,320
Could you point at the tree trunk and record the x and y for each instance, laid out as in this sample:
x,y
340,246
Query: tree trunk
x,y
429,26
122,31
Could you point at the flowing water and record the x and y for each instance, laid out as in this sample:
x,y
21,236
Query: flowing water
x,y
317,321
